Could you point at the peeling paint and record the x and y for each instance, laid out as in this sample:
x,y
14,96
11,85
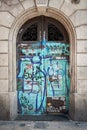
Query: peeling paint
x,y
42,74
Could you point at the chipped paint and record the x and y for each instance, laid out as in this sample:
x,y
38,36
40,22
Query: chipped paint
x,y
42,74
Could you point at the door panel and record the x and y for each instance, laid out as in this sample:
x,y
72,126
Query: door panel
x,y
32,95
43,82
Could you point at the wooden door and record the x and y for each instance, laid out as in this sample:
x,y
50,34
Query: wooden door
x,y
42,67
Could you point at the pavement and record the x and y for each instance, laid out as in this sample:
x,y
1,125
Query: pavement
x,y
43,125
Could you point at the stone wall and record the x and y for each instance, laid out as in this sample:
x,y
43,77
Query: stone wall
x,y
10,11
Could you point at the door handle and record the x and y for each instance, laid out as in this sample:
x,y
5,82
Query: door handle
x,y
40,36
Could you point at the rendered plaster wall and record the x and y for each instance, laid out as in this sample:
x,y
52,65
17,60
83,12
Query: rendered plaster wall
x,y
10,10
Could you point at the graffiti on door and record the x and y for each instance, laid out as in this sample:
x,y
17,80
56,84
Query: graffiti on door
x,y
42,77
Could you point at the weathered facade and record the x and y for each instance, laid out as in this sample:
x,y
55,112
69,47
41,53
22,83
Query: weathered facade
x,y
70,15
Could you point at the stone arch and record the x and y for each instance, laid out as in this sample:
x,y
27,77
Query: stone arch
x,y
19,21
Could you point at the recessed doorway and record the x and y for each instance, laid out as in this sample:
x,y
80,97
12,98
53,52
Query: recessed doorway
x,y
43,58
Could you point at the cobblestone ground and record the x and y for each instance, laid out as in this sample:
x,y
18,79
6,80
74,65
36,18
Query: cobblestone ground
x,y
42,125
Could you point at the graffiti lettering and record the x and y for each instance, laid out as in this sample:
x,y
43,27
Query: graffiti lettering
x,y
41,75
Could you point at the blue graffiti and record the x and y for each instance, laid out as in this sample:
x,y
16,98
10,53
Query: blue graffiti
x,y
42,73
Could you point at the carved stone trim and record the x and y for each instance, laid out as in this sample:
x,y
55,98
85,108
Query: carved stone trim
x,y
41,2
25,16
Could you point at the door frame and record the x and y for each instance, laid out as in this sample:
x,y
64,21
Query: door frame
x,y
20,20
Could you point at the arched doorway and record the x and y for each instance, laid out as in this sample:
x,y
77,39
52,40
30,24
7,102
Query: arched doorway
x,y
43,81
